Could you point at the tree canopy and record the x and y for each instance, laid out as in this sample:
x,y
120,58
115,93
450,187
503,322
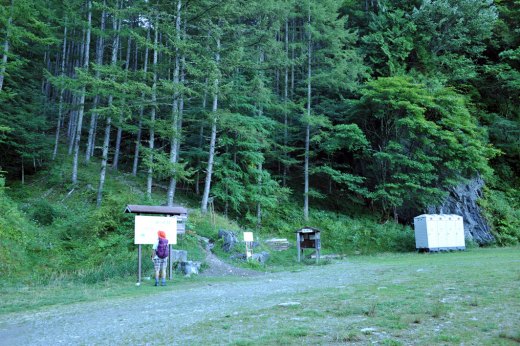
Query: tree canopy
x,y
384,104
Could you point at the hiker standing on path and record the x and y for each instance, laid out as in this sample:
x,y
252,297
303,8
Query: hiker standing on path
x,y
160,257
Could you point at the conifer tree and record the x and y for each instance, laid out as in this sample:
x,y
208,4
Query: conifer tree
x,y
79,124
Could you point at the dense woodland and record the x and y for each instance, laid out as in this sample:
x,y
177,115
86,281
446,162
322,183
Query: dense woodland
x,y
378,105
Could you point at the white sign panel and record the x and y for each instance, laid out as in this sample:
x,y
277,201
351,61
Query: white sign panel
x,y
146,228
248,236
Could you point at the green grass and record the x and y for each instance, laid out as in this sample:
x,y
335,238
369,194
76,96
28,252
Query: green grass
x,y
455,298
60,291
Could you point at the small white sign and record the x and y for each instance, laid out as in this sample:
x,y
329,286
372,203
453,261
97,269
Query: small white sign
x,y
248,236
146,228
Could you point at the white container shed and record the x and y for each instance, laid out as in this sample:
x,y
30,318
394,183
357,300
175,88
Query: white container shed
x,y
436,232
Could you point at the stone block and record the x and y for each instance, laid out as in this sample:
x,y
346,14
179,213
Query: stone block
x,y
179,255
189,267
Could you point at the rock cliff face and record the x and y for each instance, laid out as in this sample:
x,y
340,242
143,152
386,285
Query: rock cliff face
x,y
462,200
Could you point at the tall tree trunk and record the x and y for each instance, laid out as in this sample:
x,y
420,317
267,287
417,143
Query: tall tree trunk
x,y
151,142
258,205
6,46
213,140
81,99
308,127
115,164
116,25
259,182
292,58
60,107
141,107
100,46
93,146
285,98
71,133
45,82
4,60
117,150
175,108
201,136
181,112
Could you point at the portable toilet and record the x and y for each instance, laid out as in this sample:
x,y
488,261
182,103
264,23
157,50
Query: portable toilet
x,y
434,232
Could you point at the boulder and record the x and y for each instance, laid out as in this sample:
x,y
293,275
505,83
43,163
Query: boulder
x,y
462,200
261,257
189,267
179,255
230,239
239,256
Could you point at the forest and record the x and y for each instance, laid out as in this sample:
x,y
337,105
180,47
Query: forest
x,y
371,107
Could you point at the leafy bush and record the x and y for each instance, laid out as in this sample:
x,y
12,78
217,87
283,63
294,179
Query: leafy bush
x,y
14,237
343,234
43,212
502,210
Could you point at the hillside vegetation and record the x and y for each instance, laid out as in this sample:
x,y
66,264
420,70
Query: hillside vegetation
x,y
53,230
348,115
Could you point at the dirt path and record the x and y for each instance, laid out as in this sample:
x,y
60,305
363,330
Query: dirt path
x,y
127,321
216,267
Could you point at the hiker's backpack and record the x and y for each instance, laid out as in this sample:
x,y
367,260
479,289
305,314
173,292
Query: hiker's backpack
x,y
162,248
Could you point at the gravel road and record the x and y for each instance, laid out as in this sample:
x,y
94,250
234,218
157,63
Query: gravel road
x,y
117,321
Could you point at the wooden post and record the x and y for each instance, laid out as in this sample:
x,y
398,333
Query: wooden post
x,y
317,243
298,245
139,256
170,260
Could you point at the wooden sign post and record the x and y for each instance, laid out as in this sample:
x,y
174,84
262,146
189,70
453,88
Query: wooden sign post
x,y
248,239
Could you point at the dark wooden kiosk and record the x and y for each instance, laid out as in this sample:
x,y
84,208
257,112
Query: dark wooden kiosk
x,y
308,238
180,212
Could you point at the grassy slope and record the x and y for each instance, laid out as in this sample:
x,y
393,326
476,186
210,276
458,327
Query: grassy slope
x,y
58,232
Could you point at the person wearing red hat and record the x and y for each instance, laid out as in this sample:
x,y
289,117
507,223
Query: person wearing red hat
x,y
160,257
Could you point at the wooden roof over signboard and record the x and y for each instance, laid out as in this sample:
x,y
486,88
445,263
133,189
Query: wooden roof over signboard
x,y
155,209
308,230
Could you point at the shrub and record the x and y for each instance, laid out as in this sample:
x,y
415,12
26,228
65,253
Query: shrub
x,y
502,210
43,212
343,234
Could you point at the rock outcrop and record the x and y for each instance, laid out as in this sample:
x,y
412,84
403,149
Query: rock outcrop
x,y
462,200
229,239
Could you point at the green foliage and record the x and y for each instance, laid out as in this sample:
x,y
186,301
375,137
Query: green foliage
x,y
451,34
22,117
42,212
403,97
422,141
502,211
343,234
390,42
15,235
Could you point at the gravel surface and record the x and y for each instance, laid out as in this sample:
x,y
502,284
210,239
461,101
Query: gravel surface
x,y
119,321
216,267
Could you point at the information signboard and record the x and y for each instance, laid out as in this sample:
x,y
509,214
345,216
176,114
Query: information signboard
x,y
248,236
146,228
